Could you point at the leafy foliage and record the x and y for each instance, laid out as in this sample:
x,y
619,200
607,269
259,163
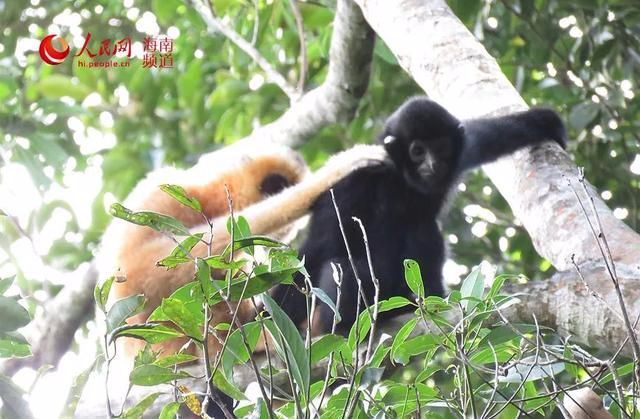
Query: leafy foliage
x,y
73,140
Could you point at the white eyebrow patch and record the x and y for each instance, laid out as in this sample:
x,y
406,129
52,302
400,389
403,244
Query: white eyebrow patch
x,y
388,139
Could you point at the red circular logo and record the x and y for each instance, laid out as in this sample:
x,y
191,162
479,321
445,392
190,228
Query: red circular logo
x,y
50,54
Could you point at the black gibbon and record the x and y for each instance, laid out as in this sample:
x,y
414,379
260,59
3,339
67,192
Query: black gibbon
x,y
250,174
399,200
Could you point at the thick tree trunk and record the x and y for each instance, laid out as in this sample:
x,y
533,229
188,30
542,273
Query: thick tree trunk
x,y
445,59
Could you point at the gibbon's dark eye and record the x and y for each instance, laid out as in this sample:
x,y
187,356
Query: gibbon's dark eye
x,y
273,183
417,151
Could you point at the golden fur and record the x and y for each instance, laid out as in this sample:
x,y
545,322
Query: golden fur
x,y
131,251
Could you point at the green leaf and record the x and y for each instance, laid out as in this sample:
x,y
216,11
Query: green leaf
x,y
13,344
165,10
364,321
413,277
427,372
169,411
57,85
190,295
145,357
622,371
338,402
226,387
236,352
75,392
179,194
284,332
402,398
136,411
505,333
189,81
284,259
203,276
122,310
496,286
222,262
572,369
180,253
471,289
241,230
158,222
5,283
381,351
382,50
402,336
327,344
149,332
583,114
256,285
393,303
486,355
360,329
101,293
184,318
175,359
12,315
245,242
151,375
319,292
416,346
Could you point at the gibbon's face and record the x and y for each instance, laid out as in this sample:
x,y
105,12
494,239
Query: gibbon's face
x,y
424,141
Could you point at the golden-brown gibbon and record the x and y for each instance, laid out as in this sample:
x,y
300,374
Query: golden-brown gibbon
x,y
269,185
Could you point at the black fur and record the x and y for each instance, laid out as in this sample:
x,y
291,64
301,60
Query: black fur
x,y
274,183
399,201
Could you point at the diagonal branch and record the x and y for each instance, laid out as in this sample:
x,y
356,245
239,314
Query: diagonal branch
x,y
446,60
215,24
335,100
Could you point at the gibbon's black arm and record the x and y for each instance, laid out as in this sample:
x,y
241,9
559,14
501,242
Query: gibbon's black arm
x,y
488,139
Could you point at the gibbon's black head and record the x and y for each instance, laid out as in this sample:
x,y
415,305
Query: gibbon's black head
x,y
273,183
425,142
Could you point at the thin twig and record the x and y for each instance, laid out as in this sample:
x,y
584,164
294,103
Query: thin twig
x,y
348,248
603,246
264,332
303,46
337,278
376,287
361,297
591,291
216,24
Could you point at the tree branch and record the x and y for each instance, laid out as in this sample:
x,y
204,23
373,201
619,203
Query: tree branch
x,y
336,100
445,59
51,331
215,24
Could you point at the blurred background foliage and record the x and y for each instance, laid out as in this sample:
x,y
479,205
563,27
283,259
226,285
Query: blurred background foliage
x,y
73,140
